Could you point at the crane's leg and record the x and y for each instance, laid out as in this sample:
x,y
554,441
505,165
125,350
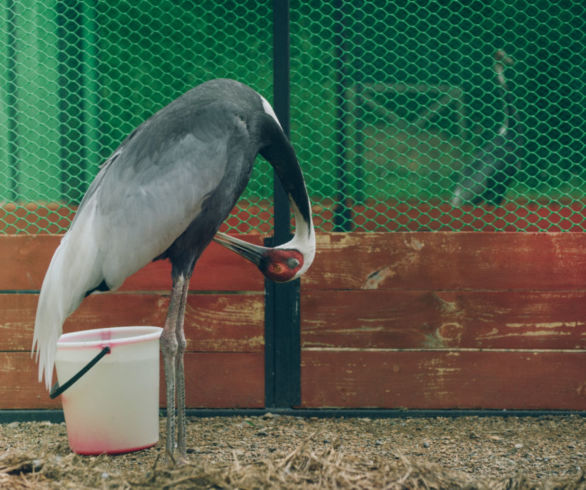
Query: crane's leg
x,y
169,351
180,373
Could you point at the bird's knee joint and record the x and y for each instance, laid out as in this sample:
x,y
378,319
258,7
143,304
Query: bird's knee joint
x,y
181,343
169,344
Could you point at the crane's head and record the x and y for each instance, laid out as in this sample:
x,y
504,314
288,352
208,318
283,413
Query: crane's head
x,y
278,264
502,59
284,262
282,265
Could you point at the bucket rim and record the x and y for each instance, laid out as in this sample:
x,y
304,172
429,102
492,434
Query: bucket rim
x,y
99,336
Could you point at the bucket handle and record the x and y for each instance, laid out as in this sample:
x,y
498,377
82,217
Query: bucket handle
x,y
57,390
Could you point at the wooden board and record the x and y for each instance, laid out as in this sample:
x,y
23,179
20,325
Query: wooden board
x,y
55,217
418,320
436,215
428,261
34,217
213,322
449,261
388,216
223,380
443,319
24,260
441,380
213,380
224,324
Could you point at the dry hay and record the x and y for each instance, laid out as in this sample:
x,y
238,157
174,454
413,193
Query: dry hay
x,y
293,452
330,467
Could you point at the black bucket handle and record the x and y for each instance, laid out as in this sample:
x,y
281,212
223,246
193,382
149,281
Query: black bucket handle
x,y
57,390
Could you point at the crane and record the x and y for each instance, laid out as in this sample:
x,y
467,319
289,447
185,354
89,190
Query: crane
x,y
489,175
163,194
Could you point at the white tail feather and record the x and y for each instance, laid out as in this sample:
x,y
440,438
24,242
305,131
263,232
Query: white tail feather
x,y
50,316
70,274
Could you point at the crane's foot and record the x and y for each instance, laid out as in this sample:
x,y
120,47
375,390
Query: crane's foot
x,y
174,456
176,459
170,450
181,460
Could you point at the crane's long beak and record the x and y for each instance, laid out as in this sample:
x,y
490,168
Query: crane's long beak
x,y
249,251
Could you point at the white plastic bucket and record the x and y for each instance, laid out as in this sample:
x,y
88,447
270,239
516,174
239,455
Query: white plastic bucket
x,y
114,407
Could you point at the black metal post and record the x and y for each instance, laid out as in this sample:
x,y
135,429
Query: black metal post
x,y
342,210
282,336
69,15
11,100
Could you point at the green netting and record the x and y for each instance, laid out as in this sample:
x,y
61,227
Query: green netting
x,y
392,103
76,77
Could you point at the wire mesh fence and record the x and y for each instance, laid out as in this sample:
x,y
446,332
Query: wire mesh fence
x,y
405,115
414,119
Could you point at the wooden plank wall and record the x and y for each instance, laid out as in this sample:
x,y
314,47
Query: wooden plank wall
x,y
389,320
446,320
224,323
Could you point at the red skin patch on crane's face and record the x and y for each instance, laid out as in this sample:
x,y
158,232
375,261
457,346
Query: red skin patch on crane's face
x,y
281,265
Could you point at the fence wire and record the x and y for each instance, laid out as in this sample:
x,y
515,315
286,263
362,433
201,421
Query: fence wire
x,y
405,115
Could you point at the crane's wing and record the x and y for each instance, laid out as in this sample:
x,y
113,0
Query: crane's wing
x,y
141,201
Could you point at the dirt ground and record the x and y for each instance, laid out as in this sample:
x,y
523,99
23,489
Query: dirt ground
x,y
292,452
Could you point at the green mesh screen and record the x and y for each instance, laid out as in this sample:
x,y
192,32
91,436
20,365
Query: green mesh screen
x,y
76,77
394,102
394,105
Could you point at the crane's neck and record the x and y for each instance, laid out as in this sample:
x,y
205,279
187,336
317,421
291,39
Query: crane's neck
x,y
304,238
279,152
508,109
499,68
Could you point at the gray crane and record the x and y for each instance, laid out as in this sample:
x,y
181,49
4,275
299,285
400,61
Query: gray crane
x,y
489,175
163,195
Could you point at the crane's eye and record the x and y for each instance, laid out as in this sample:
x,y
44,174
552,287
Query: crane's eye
x,y
292,263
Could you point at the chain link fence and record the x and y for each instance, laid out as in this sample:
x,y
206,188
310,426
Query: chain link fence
x,y
405,115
